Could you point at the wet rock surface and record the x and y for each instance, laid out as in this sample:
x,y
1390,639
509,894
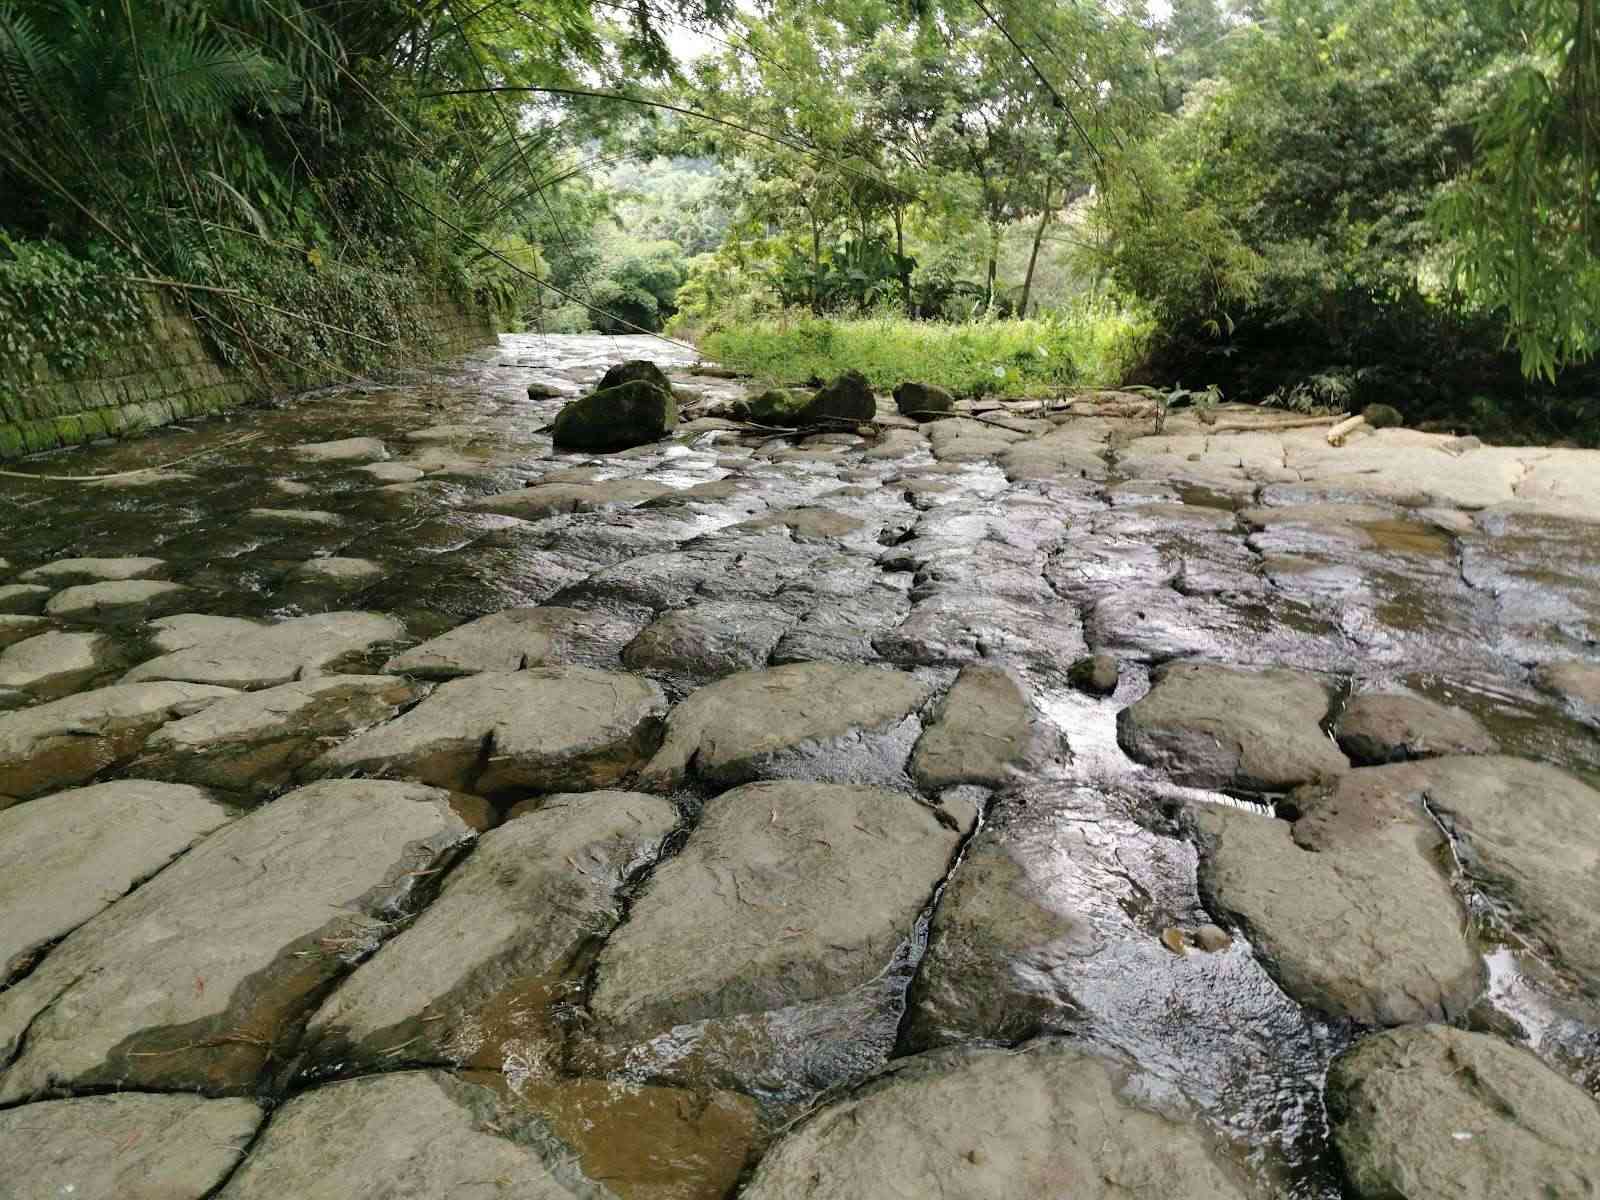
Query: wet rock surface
x,y
1435,1111
937,737
137,1147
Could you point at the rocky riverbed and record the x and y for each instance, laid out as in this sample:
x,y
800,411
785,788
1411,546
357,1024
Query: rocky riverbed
x,y
1020,804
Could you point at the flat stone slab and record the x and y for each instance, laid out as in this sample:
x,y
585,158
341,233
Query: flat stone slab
x,y
505,928
549,499
131,1147
406,1134
65,571
514,639
1211,726
115,601
1047,1120
1435,1111
548,729
785,892
1345,906
23,599
356,449
1577,683
64,859
982,732
1385,727
344,571
200,978
53,664
299,648
180,632
1527,834
708,641
15,628
68,741
728,730
306,518
392,472
255,742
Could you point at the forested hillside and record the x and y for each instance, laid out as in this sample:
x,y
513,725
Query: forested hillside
x,y
1305,202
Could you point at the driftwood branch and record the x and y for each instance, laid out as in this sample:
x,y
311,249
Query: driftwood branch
x,y
249,437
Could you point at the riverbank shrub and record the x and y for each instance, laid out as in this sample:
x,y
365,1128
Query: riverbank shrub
x,y
1089,346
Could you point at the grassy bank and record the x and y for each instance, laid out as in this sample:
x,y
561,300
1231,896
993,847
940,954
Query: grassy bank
x,y
1093,347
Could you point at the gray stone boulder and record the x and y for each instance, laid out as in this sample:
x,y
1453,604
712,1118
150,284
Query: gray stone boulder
x,y
1097,674
54,664
69,741
23,599
1526,834
1435,1111
296,518
64,859
696,645
923,401
1346,906
1050,1119
635,370
255,742
548,729
116,601
66,571
551,499
201,978
1211,726
517,638
299,648
786,892
184,630
406,1134
506,928
730,731
981,733
847,399
128,1147
1386,727
345,450
617,418
392,472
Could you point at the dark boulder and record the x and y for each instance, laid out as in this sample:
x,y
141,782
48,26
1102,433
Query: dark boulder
x,y
635,370
923,401
616,418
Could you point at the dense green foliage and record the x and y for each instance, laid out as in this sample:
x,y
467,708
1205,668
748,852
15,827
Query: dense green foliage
x,y
1008,357
1347,200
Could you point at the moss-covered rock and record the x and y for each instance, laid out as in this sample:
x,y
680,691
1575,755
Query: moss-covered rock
x,y
923,401
775,406
616,418
1383,416
635,370
847,398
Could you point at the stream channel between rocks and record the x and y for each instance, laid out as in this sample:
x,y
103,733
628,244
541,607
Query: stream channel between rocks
x,y
1017,804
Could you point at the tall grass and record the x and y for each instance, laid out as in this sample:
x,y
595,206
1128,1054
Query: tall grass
x,y
1089,346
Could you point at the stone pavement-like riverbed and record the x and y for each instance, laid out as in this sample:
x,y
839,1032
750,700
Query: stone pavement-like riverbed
x,y
1018,805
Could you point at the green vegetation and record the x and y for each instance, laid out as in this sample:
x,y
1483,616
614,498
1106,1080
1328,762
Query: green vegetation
x,y
1301,201
1091,348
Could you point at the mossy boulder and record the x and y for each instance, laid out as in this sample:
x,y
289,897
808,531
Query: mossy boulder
x,y
617,418
847,398
635,370
1383,416
923,401
775,406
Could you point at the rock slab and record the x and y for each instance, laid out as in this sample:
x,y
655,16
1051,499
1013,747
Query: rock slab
x,y
299,648
123,1147
1046,1120
786,892
197,980
1431,1110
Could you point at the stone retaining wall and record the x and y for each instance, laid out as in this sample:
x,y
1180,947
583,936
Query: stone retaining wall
x,y
160,372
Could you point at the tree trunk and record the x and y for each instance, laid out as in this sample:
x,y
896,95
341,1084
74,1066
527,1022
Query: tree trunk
x,y
994,265
1033,258
900,258
816,266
